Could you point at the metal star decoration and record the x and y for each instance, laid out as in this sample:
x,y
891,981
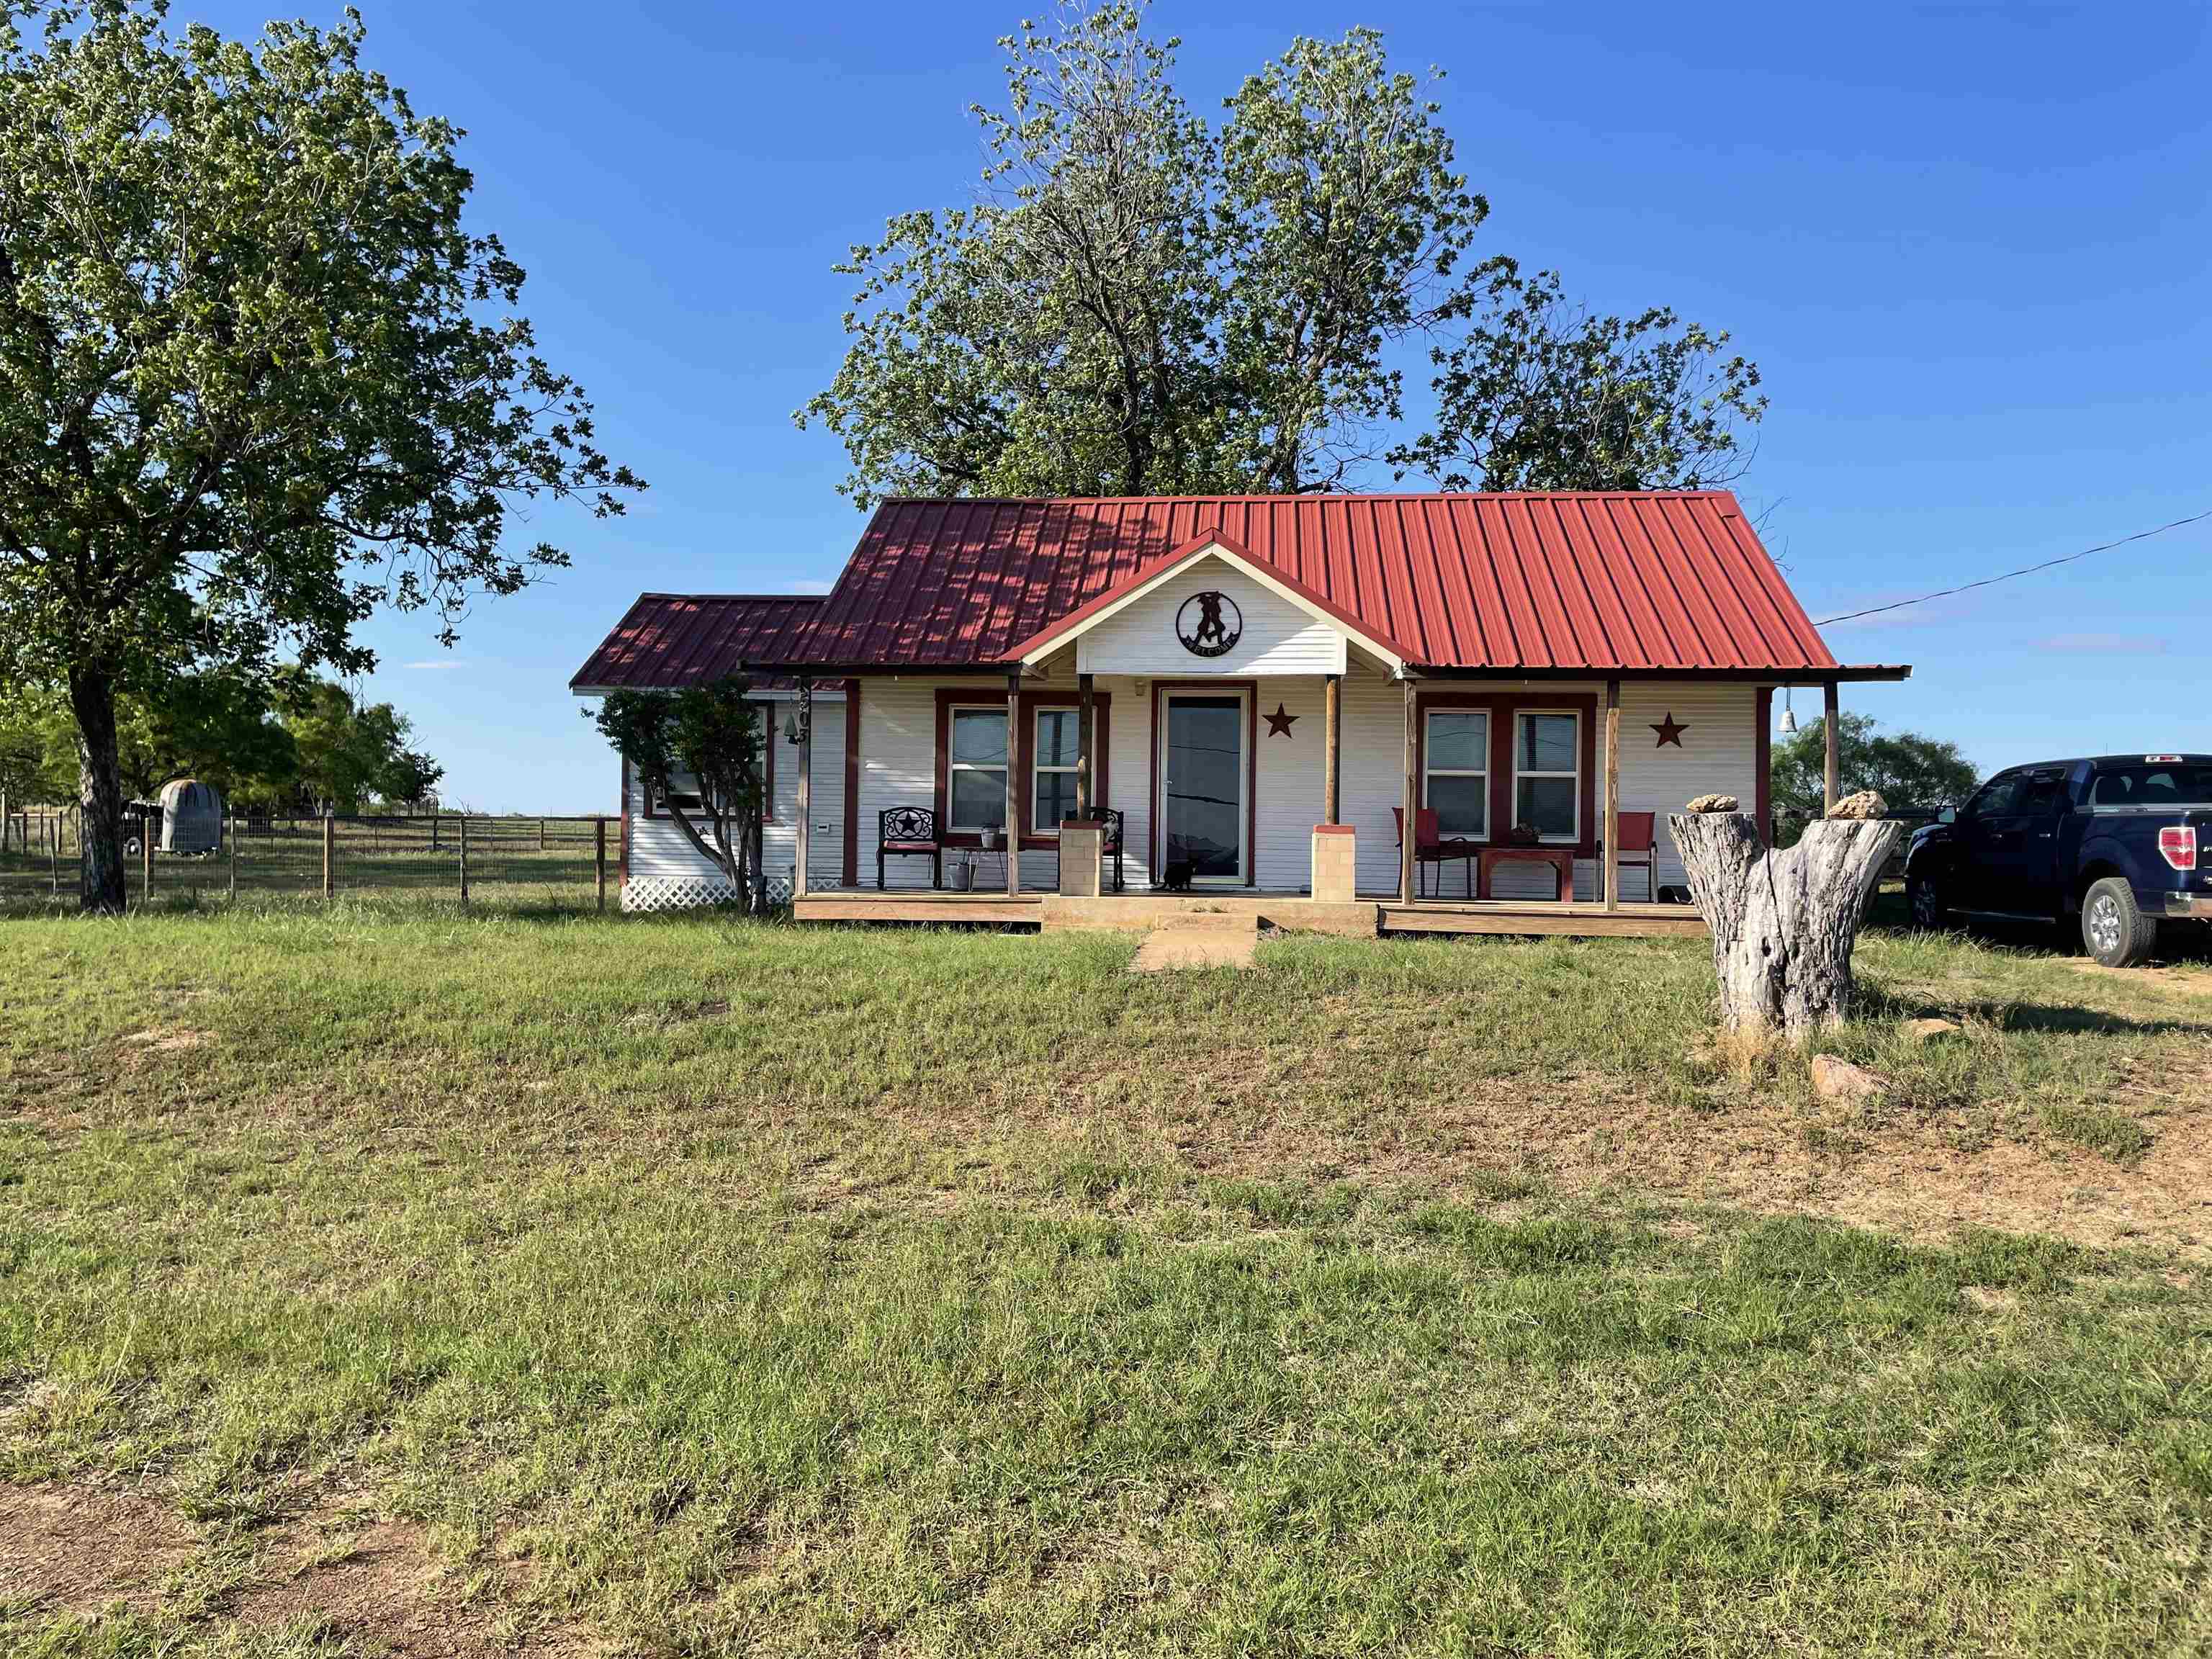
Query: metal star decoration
x,y
1278,723
1670,730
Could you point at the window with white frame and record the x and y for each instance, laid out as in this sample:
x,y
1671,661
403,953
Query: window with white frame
x,y
976,786
1457,787
1547,775
1051,768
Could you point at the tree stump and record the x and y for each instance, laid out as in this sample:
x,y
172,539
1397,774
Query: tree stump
x,y
1782,923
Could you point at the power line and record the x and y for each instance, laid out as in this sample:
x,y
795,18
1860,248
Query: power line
x,y
2025,570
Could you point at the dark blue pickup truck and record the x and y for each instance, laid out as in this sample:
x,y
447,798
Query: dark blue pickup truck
x,y
2114,840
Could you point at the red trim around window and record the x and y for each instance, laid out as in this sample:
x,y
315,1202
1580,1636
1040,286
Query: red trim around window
x,y
1251,690
1018,753
1501,708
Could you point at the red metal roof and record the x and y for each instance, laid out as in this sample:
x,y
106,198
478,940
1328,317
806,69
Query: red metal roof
x,y
670,640
1553,581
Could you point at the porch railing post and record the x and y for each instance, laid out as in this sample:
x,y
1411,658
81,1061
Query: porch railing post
x,y
1332,746
1409,827
806,827
1013,832
600,860
1086,727
1831,766
1611,849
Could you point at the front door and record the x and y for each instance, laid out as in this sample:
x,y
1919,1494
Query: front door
x,y
1204,777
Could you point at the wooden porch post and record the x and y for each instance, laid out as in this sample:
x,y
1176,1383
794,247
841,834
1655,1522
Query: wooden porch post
x,y
1409,832
1332,746
805,786
1086,725
1013,778
1828,743
1613,794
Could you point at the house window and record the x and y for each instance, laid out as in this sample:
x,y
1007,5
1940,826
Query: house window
x,y
682,791
1458,782
1052,770
1547,781
977,783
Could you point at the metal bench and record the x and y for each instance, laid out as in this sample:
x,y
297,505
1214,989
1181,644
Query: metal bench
x,y
910,832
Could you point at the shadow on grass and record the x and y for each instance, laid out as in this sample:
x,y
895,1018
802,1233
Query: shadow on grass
x,y
1878,1003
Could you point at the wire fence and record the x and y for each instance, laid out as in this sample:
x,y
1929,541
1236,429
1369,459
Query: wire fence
x,y
562,863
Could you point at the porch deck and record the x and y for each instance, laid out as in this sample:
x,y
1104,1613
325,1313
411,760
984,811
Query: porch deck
x,y
1366,917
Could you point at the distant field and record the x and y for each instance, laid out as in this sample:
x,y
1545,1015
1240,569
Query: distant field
x,y
384,1277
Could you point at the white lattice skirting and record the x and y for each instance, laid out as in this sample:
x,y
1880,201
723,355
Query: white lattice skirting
x,y
644,893
677,892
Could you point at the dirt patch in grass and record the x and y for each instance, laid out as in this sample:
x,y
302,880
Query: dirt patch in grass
x,y
166,1040
78,1549
366,1581
371,1580
1926,1176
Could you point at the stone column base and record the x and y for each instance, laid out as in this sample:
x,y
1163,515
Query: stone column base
x,y
1335,863
1081,842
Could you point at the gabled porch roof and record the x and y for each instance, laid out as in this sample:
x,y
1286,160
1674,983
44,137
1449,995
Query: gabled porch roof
x,y
1210,544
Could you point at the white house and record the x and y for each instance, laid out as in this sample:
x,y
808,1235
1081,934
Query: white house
x,y
1252,689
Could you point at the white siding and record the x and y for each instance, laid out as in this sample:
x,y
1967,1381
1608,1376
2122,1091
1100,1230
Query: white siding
x,y
659,850
1278,637
1719,753
898,768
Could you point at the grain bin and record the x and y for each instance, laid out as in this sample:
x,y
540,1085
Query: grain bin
x,y
191,817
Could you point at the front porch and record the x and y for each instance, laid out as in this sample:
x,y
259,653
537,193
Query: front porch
x,y
1364,916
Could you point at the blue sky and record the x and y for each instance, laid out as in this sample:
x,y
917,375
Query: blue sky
x,y
1970,249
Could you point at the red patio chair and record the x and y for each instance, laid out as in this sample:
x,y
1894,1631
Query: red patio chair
x,y
1639,846
1430,847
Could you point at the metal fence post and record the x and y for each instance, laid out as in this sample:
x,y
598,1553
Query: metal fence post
x,y
541,834
233,855
330,855
599,858
464,858
54,848
145,863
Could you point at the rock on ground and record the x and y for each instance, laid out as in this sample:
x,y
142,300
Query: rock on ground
x,y
1837,1078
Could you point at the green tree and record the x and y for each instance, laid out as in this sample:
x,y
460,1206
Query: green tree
x,y
1340,220
1906,768
701,744
1540,394
256,376
1139,304
351,754
1143,303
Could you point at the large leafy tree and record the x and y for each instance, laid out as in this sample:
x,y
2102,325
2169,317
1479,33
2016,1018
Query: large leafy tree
x,y
1539,393
702,745
1341,220
255,375
1140,303
1907,770
1137,304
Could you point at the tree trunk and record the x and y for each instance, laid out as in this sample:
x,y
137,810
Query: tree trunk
x,y
100,793
1782,923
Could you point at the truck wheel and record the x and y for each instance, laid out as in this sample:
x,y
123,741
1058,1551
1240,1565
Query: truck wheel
x,y
1925,898
2113,927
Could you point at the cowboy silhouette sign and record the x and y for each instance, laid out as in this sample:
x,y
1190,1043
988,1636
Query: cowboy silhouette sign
x,y
1209,625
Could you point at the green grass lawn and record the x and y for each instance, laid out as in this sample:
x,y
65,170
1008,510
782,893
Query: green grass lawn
x,y
690,1286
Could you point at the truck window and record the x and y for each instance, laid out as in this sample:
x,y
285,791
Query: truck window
x,y
1999,798
2044,797
2163,784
